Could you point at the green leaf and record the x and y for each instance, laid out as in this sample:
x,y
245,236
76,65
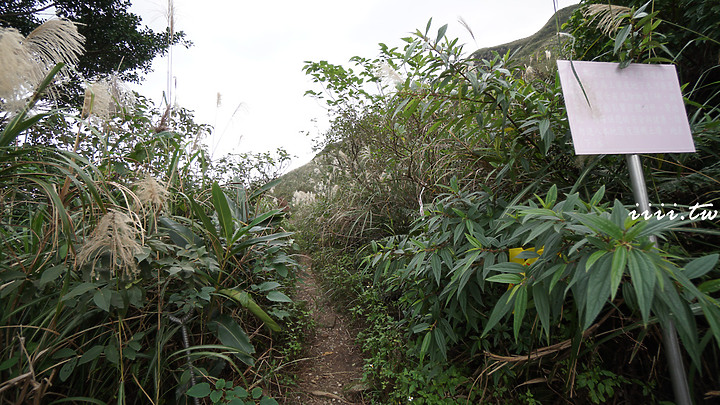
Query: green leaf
x,y
64,353
655,226
268,285
542,305
506,278
547,136
619,214
91,354
509,267
112,354
552,193
634,231
277,296
598,196
679,311
537,230
441,342
520,307
502,307
712,314
441,33
617,270
700,266
466,271
557,276
102,299
473,240
240,392
58,205
181,235
420,327
67,369
215,396
597,293
199,211
621,37
425,344
594,258
52,274
256,392
599,224
268,401
642,274
225,218
199,390
8,363
232,335
710,286
436,265
244,299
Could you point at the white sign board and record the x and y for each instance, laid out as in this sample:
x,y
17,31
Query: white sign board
x,y
634,110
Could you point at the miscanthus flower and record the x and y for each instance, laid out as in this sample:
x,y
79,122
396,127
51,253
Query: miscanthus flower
x,y
25,61
608,16
387,74
106,97
151,193
115,235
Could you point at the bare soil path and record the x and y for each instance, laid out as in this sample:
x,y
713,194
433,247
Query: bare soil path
x,y
332,367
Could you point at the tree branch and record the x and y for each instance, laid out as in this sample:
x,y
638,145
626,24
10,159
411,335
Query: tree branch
x,y
51,4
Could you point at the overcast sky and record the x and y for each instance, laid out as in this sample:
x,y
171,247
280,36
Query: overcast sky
x,y
252,53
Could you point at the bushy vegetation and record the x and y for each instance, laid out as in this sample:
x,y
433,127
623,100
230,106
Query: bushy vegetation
x,y
465,231
485,262
134,270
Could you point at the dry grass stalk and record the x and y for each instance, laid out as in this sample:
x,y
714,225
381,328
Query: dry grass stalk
x,y
609,16
25,61
116,233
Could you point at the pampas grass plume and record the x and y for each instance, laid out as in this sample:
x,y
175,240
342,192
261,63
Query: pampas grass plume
x,y
105,98
386,72
17,71
116,233
151,193
608,16
25,61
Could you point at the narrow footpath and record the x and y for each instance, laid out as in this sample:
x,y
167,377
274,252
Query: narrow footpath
x,y
331,369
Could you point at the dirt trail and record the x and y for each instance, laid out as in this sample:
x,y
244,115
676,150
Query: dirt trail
x,y
331,371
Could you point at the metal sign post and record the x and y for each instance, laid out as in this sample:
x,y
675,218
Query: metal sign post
x,y
629,111
670,339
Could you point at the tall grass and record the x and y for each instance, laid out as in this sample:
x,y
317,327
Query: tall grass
x,y
125,267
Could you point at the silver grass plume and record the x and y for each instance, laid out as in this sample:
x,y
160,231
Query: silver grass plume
x,y
386,73
17,71
25,61
151,194
106,97
608,16
116,234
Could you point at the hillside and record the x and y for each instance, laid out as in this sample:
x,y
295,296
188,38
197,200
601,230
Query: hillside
x,y
530,51
302,184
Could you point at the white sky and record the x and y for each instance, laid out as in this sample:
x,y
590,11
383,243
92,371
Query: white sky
x,y
252,53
